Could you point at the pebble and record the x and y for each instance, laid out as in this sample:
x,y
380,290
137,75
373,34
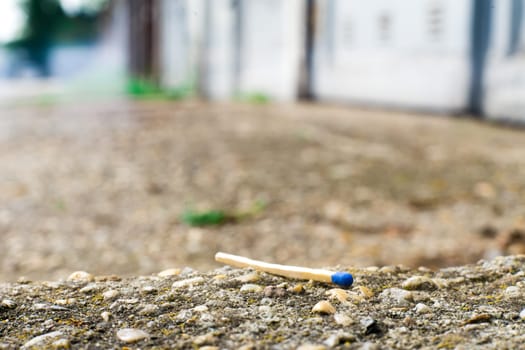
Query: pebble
x,y
90,288
366,292
200,308
372,269
298,288
187,282
110,294
169,272
274,291
338,293
249,277
339,338
204,339
148,290
251,288
105,315
36,341
219,277
81,276
421,308
68,301
342,319
522,314
481,318
44,306
8,304
397,296
388,269
311,347
148,309
512,292
131,335
419,283
61,344
324,307
130,300
370,326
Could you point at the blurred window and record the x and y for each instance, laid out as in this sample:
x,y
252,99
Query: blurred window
x,y
435,22
385,27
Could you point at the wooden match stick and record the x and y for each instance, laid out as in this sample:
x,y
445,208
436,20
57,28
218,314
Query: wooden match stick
x,y
343,279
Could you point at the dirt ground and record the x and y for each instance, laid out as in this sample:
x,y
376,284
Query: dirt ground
x,y
102,187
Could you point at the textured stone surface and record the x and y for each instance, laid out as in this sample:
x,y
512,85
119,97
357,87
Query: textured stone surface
x,y
477,306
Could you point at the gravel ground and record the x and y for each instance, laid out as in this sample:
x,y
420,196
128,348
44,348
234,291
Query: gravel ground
x,y
102,187
477,306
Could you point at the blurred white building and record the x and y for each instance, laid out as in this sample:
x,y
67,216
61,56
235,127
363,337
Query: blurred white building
x,y
447,56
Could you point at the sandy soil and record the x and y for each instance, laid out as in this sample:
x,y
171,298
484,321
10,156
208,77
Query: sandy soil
x,y
102,187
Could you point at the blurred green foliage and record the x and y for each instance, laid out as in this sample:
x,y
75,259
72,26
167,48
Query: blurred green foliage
x,y
46,25
256,98
220,217
141,88
205,218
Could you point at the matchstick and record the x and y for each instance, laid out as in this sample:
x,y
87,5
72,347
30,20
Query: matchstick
x,y
343,279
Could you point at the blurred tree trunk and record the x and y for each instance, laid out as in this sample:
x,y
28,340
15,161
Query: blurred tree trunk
x,y
143,44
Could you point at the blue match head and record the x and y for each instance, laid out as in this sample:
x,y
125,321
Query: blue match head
x,y
343,279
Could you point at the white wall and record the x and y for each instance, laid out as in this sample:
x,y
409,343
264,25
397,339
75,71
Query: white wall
x,y
271,47
180,35
505,82
388,52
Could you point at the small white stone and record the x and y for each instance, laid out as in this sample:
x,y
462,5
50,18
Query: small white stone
x,y
68,301
339,338
131,335
42,338
187,282
311,347
324,307
90,288
251,288
249,277
338,293
522,314
169,273
105,316
397,296
421,308
342,319
419,283
148,290
61,344
8,303
512,292
149,309
81,276
44,306
129,301
110,294
201,308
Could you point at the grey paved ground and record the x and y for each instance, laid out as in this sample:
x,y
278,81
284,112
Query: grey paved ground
x,y
101,187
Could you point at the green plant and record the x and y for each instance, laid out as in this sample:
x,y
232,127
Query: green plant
x,y
204,218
